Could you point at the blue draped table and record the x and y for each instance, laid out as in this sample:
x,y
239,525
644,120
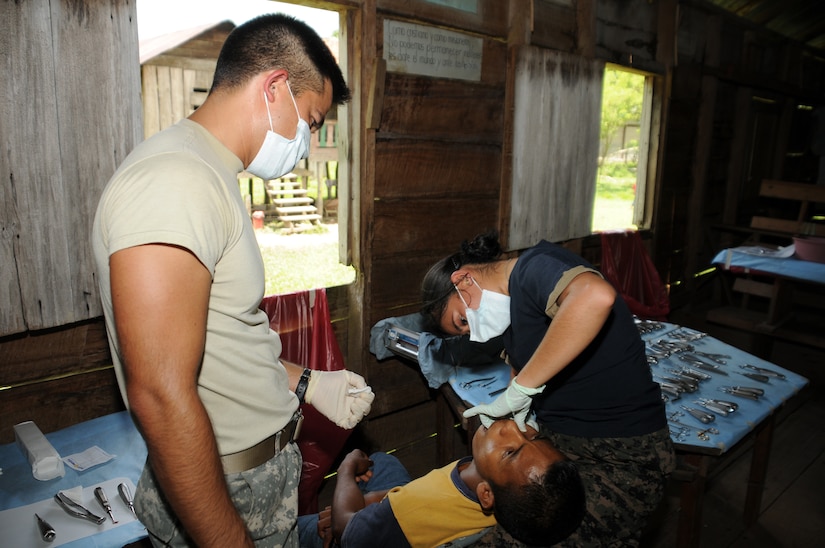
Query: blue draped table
x,y
116,434
752,421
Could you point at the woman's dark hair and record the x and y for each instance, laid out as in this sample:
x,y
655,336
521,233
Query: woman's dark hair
x,y
278,41
436,287
544,511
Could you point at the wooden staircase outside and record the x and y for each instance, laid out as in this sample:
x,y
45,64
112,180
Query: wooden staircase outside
x,y
292,205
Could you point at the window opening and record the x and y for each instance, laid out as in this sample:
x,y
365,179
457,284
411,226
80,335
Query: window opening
x,y
623,150
295,217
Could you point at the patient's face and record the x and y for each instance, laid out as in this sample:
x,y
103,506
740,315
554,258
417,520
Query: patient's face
x,y
505,455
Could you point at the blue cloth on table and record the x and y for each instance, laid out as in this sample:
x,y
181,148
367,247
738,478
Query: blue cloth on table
x,y
791,267
438,356
116,434
736,425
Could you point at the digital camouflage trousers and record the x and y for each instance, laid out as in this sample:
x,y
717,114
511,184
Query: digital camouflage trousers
x,y
266,498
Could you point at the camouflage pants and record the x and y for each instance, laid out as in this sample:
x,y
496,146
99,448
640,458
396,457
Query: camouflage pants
x,y
624,481
266,498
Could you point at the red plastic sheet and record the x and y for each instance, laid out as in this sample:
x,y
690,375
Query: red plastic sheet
x,y
302,321
627,265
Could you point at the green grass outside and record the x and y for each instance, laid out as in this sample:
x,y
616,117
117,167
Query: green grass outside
x,y
615,193
290,269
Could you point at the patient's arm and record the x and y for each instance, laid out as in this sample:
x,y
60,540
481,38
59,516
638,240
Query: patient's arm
x,y
347,498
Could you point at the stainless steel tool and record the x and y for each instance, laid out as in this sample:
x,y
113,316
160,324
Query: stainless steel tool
x,y
696,362
101,497
698,414
718,358
763,371
715,406
126,496
47,532
76,510
743,391
758,377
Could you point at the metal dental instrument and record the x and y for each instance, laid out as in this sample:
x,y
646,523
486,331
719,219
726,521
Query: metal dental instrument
x,y
674,346
692,373
483,382
101,497
75,510
743,391
126,496
702,434
669,388
718,358
763,371
698,414
687,385
696,362
46,531
715,407
756,377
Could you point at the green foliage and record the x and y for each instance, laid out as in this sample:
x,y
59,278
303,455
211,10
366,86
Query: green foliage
x,y
622,95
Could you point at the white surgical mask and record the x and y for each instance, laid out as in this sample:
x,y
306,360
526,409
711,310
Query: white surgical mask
x,y
491,318
279,155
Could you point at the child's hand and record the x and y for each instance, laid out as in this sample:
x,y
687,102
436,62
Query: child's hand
x,y
325,524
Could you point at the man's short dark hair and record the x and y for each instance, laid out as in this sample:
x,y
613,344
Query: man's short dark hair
x,y
278,41
544,511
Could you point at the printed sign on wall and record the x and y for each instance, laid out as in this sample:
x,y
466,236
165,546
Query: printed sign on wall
x,y
430,51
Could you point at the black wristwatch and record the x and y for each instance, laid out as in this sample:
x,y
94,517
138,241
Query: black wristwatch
x,y
303,382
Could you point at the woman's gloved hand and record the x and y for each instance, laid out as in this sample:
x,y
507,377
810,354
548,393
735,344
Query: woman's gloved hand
x,y
514,401
341,396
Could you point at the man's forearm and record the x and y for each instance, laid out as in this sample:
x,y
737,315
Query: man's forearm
x,y
347,499
189,472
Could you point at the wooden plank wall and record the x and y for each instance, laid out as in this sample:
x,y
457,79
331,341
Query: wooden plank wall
x,y
437,178
732,103
64,132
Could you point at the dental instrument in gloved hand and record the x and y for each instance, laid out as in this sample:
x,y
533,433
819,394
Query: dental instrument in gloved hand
x,y
516,400
338,395
101,497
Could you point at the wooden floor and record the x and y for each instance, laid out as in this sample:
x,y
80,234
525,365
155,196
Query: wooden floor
x,y
793,502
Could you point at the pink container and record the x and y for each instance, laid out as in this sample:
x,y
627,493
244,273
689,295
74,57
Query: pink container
x,y
810,248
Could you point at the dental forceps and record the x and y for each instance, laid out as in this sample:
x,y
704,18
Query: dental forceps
x,y
76,510
701,433
696,362
763,371
483,382
721,359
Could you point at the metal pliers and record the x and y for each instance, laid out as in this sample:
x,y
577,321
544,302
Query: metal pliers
x,y
76,510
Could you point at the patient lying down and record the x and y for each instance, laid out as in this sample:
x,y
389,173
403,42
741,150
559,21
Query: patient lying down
x,y
517,479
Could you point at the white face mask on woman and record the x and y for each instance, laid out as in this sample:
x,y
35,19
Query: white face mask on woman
x,y
279,155
491,318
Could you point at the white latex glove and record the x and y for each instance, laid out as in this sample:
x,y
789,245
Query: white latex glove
x,y
341,396
514,401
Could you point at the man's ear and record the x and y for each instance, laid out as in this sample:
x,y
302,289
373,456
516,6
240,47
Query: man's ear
x,y
485,496
272,79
